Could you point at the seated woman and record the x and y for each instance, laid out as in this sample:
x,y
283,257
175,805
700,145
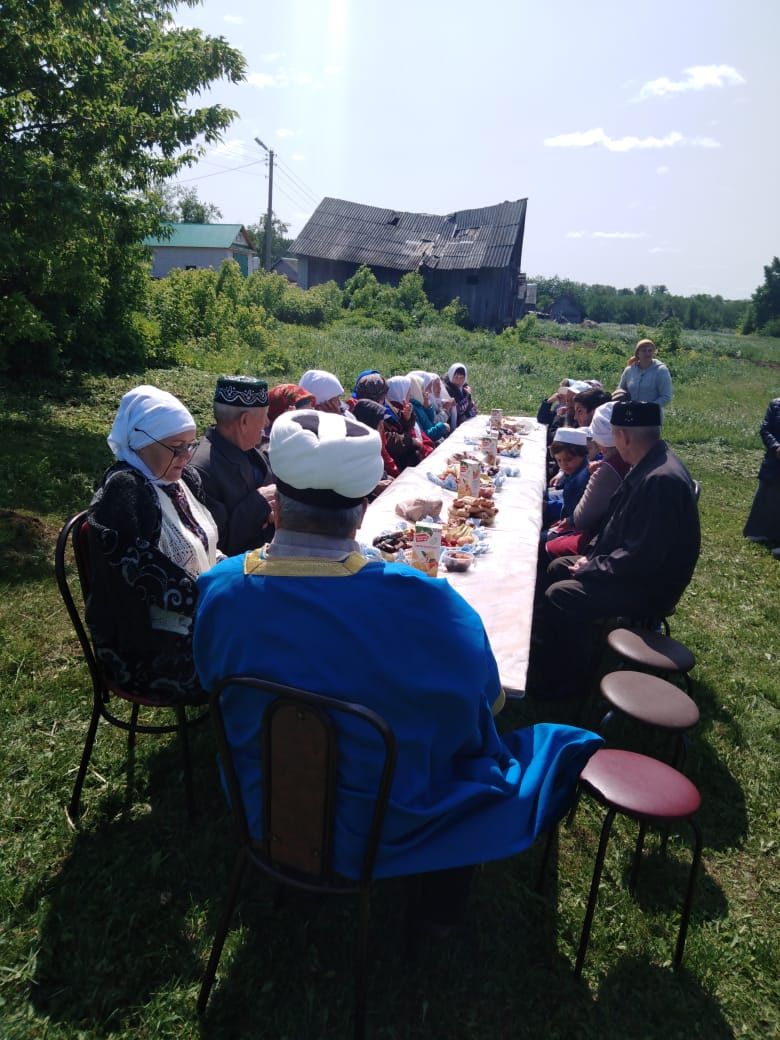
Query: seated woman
x,y
372,413
420,398
570,452
286,397
456,382
403,439
150,536
570,536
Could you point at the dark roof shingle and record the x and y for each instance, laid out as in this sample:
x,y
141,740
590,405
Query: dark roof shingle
x,y
469,239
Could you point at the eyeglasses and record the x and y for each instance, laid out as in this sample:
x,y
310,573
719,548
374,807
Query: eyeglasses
x,y
181,451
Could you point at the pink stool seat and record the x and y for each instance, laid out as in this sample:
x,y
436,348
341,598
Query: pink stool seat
x,y
640,786
651,650
650,700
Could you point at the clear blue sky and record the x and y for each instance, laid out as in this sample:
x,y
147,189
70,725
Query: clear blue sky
x,y
645,136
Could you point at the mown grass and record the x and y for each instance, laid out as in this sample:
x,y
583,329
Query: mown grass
x,y
105,930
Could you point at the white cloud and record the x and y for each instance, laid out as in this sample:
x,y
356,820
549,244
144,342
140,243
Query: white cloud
x,y
233,19
230,149
260,80
662,170
607,234
285,131
297,156
271,56
697,77
664,249
597,136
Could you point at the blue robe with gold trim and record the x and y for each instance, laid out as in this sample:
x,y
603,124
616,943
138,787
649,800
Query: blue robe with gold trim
x,y
413,650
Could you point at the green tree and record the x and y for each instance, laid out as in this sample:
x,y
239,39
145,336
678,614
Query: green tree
x,y
280,243
764,311
182,206
94,112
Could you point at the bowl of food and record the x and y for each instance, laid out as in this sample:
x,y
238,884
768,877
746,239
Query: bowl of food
x,y
455,560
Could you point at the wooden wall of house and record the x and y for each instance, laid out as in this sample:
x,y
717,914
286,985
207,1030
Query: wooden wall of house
x,y
312,270
489,294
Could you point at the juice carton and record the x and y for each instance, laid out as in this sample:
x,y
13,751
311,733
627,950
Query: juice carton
x,y
489,445
468,477
427,549
496,418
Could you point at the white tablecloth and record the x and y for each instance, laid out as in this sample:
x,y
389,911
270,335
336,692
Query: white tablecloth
x,y
500,583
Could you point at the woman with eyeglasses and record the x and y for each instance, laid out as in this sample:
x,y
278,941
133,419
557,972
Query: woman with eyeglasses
x,y
150,536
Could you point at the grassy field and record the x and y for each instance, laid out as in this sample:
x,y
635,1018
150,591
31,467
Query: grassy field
x,y
106,928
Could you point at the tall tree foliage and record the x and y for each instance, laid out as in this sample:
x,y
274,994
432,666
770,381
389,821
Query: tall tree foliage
x,y
763,315
94,110
280,242
184,206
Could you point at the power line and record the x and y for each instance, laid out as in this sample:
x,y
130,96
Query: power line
x,y
303,200
315,197
220,172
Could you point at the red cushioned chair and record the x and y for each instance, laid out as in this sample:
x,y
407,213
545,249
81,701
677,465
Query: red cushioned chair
x,y
74,534
650,792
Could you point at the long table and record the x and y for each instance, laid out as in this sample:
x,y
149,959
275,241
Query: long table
x,y
500,583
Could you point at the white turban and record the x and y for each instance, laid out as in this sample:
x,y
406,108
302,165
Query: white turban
x,y
398,388
156,412
321,385
571,435
325,459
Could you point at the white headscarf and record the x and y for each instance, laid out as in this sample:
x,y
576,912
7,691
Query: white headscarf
x,y
416,385
398,388
454,368
158,413
323,386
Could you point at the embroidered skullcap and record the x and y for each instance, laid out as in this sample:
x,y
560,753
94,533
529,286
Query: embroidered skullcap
x,y
398,388
370,385
325,459
600,429
571,435
285,396
321,385
372,413
636,413
241,391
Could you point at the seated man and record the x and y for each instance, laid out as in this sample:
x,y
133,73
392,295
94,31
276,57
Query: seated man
x,y
586,403
236,476
308,610
641,561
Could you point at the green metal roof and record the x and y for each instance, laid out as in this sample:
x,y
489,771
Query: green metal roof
x,y
204,236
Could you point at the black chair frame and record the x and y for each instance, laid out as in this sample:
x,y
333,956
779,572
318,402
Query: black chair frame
x,y
72,533
260,854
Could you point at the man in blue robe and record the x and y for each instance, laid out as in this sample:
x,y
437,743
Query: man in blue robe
x,y
308,610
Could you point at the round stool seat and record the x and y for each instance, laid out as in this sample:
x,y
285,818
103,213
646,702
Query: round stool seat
x,y
649,699
651,649
640,786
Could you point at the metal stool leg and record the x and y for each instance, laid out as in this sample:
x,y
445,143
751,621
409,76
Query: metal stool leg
x,y
221,933
637,861
688,905
132,731
594,891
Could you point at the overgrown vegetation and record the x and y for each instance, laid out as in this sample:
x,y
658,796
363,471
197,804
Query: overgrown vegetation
x,y
105,930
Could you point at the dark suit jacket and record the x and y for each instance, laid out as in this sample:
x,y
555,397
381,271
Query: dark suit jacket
x,y
242,515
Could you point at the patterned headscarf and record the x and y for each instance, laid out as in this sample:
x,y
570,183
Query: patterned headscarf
x,y
370,386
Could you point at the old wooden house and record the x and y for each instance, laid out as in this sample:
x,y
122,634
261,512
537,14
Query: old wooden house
x,y
473,254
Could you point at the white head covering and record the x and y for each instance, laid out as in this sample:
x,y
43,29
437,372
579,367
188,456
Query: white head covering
x,y
325,459
416,385
322,385
571,435
600,429
158,413
454,368
398,388
578,386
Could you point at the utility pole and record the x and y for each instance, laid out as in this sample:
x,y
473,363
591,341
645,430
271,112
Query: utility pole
x,y
270,211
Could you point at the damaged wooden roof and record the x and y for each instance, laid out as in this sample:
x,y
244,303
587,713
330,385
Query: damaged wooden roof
x,y
469,239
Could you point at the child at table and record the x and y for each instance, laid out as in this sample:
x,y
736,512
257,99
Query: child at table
x,y
569,449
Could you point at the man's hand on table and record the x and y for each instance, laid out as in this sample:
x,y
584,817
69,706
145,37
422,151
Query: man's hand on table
x,y
578,564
